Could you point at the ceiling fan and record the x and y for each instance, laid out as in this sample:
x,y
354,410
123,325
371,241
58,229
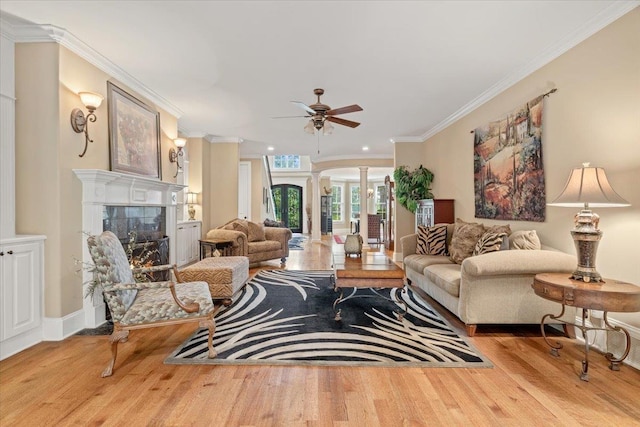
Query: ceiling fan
x,y
320,113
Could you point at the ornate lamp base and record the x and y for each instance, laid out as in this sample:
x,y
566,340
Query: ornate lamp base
x,y
192,213
586,237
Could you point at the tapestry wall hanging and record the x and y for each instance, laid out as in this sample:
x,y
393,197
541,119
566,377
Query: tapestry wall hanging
x,y
507,167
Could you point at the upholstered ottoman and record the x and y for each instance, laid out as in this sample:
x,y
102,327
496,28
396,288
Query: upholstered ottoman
x,y
225,275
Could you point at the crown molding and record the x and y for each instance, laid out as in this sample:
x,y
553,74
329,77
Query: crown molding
x,y
616,10
224,139
396,139
33,33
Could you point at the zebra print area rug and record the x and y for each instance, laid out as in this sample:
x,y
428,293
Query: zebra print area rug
x,y
287,317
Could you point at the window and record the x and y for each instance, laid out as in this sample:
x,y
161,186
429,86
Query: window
x,y
337,201
286,162
355,201
381,200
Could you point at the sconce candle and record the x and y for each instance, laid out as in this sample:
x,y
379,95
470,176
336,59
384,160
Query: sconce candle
x,y
80,122
174,155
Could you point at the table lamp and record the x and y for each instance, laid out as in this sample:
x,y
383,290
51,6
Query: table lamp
x,y
192,199
587,187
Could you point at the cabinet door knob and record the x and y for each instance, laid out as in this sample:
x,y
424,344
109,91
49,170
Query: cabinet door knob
x,y
1,253
10,252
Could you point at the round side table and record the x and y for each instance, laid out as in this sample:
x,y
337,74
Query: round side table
x,y
609,295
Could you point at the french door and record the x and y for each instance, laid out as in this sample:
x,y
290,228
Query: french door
x,y
287,200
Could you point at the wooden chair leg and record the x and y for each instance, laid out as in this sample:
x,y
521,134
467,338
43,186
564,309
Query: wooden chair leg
x,y
116,337
471,329
211,325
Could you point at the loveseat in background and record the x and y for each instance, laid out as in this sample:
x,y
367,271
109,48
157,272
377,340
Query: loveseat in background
x,y
255,241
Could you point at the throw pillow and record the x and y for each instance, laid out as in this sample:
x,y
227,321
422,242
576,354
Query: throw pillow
x,y
500,229
256,232
432,240
489,242
463,242
273,223
241,225
524,239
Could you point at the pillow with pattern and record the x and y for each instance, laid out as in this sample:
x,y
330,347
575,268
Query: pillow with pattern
x,y
463,242
432,240
524,239
489,242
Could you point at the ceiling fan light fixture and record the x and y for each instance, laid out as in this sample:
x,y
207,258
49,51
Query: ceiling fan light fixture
x,y
327,128
309,128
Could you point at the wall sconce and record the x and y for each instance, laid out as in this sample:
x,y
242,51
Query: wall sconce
x,y
80,122
192,199
174,155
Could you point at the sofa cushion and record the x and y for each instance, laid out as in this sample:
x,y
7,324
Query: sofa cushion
x,y
432,240
499,229
264,246
524,239
256,232
489,242
420,262
465,237
445,276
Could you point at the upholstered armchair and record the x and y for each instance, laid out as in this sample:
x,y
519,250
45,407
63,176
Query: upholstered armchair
x,y
145,304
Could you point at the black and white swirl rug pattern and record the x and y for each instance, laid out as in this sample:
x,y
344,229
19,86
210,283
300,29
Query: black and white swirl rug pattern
x,y
287,317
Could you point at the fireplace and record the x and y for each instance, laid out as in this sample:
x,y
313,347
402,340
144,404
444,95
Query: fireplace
x,y
125,203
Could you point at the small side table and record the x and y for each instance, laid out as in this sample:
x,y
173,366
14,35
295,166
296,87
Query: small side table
x,y
609,295
223,246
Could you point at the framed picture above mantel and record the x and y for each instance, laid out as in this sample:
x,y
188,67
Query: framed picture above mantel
x,y
134,134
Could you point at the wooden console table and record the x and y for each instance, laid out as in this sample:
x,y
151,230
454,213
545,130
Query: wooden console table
x,y
609,295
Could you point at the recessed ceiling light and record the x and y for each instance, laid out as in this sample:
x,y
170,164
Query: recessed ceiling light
x,y
365,148
270,148
391,140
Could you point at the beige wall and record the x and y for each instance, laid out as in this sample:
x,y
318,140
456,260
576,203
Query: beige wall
x,y
222,182
48,195
594,116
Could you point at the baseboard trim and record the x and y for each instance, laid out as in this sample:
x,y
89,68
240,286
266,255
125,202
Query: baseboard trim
x,y
600,341
59,328
20,342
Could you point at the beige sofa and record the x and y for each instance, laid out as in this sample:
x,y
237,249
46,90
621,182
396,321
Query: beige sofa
x,y
493,288
255,241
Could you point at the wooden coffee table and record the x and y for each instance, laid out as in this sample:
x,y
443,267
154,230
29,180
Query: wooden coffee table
x,y
372,271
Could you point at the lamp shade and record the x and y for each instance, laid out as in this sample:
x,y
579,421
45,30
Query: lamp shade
x,y
309,127
90,99
588,186
192,198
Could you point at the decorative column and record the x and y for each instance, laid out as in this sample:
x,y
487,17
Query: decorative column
x,y
364,208
315,208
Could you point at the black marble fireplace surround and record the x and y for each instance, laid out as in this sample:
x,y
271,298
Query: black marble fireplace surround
x,y
149,225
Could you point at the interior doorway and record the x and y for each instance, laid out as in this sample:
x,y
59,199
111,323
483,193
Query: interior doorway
x,y
287,201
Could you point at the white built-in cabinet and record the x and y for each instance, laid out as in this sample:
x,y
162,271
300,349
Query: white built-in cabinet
x,y
21,275
21,256
188,242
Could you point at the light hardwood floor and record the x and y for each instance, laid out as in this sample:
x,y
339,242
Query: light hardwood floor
x,y
59,384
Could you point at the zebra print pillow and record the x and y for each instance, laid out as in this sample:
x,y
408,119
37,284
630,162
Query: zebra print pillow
x,y
432,240
489,242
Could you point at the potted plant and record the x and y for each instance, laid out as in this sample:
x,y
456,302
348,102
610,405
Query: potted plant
x,y
412,186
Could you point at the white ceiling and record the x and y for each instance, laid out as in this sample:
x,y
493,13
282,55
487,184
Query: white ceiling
x,y
230,67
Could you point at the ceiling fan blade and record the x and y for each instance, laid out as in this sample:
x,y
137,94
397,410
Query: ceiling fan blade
x,y
344,110
343,122
305,107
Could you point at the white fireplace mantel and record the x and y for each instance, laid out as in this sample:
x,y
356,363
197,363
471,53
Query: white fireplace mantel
x,y
102,188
